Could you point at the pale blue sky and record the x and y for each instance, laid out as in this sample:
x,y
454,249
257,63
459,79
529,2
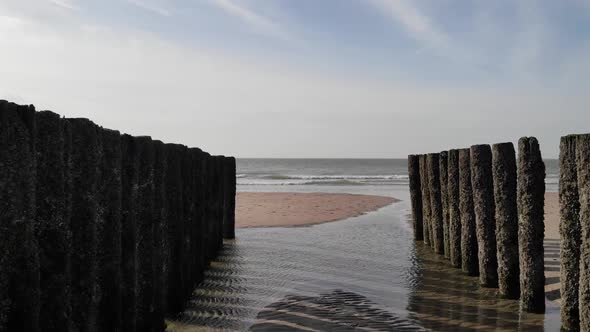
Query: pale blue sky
x,y
306,78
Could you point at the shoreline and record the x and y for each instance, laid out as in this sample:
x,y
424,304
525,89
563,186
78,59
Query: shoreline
x,y
292,209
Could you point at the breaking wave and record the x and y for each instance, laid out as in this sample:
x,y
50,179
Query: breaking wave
x,y
320,180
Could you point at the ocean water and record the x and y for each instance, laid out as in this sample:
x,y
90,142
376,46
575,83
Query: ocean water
x,y
349,174
365,272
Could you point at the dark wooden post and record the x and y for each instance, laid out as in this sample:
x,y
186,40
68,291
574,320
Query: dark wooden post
x,y
531,230
52,221
415,195
483,201
583,170
86,161
161,249
145,232
444,197
569,229
175,217
469,249
435,202
19,261
109,233
425,200
230,196
454,211
129,196
504,170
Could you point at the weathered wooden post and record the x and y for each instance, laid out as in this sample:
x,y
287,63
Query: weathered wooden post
x,y
454,211
469,248
52,221
425,200
415,195
109,233
435,202
188,201
483,201
583,170
86,161
161,249
531,200
206,210
145,232
230,206
19,260
504,171
198,228
129,181
569,229
175,218
444,197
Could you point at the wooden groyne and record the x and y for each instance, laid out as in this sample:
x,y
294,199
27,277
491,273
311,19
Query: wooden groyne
x,y
101,231
574,228
569,231
492,214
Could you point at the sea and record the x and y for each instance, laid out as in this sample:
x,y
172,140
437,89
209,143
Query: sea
x,y
362,273
339,175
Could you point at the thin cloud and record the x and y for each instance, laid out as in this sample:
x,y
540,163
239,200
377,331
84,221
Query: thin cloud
x,y
151,7
256,21
63,4
414,22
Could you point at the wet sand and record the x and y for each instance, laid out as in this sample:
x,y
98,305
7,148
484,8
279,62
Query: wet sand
x,y
274,209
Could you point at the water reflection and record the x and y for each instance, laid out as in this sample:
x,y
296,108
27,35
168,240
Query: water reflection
x,y
364,273
444,299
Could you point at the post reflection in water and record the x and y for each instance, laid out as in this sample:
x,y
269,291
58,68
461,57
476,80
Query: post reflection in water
x,y
445,299
365,273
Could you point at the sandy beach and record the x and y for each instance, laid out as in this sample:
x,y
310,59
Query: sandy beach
x,y
551,244
274,209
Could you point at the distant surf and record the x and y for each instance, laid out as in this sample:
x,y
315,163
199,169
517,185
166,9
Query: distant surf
x,y
310,179
320,173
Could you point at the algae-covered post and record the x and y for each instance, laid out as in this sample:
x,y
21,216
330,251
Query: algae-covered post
x,y
444,175
569,230
583,170
415,195
531,198
454,212
469,250
109,233
86,159
483,202
425,200
433,169
504,171
19,262
52,221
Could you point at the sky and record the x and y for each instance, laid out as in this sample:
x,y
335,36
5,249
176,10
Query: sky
x,y
306,78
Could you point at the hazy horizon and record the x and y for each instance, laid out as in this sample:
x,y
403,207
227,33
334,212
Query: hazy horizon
x,y
303,78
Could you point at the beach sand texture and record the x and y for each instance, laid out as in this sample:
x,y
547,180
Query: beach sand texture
x,y
262,209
